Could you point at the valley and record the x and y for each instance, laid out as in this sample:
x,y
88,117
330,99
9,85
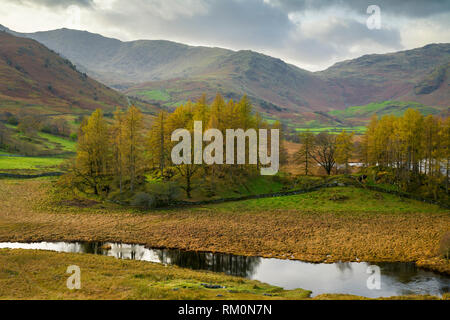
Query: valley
x,y
86,140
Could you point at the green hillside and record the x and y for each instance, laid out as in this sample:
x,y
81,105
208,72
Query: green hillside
x,y
397,108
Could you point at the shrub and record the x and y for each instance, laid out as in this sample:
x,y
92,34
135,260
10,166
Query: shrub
x,y
144,200
165,193
444,248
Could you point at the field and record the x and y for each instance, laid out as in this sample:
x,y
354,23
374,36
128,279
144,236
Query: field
x,y
42,275
29,163
396,108
154,95
340,224
60,142
51,151
333,130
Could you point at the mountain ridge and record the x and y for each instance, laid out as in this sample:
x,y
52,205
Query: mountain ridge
x,y
170,73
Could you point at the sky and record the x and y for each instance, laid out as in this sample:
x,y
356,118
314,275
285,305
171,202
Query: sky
x,y
312,34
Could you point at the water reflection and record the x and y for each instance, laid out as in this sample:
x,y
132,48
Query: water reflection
x,y
224,263
347,278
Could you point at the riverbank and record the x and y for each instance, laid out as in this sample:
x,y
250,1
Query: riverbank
x,y
40,275
338,224
43,275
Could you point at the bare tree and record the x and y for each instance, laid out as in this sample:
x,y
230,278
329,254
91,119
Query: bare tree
x,y
324,151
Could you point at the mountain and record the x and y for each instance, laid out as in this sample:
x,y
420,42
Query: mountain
x,y
168,73
120,63
34,77
394,76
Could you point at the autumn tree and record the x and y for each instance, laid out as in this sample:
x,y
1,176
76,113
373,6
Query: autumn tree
x,y
413,148
344,149
92,161
133,143
118,146
157,142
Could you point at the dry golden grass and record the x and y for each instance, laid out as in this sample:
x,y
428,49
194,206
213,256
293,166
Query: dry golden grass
x,y
42,275
38,275
321,236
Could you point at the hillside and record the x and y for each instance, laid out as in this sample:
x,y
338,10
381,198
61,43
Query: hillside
x,y
394,76
167,74
35,78
187,71
361,115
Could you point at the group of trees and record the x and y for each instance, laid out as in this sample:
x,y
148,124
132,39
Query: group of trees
x,y
410,151
108,153
413,148
219,115
117,154
329,151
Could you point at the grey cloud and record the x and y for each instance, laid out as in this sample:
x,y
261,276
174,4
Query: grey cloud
x,y
253,24
231,23
260,25
407,8
337,40
57,3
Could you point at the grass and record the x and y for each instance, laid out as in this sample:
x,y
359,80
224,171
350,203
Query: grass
x,y
66,144
29,163
341,200
355,225
46,143
334,130
39,275
251,186
156,95
396,108
42,275
337,224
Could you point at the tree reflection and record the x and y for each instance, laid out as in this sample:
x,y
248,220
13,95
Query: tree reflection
x,y
233,265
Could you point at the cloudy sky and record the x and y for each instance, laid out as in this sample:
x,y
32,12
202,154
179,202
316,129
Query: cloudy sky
x,y
313,34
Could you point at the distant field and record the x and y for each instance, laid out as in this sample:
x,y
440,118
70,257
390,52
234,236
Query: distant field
x,y
156,95
44,143
396,108
66,144
29,163
336,130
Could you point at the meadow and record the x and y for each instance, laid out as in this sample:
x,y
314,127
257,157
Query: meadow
x,y
333,130
52,150
42,275
33,275
367,226
8,163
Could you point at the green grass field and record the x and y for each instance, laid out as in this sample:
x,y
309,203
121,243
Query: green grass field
x,y
56,141
255,185
30,163
156,95
341,200
333,130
